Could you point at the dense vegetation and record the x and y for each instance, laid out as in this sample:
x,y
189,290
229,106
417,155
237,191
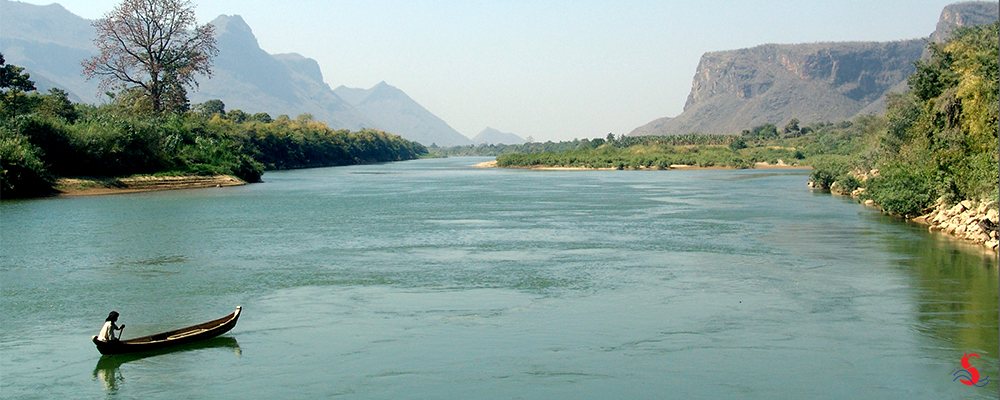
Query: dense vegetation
x,y
792,145
940,138
45,136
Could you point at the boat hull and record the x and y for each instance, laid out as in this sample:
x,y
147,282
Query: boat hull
x,y
172,338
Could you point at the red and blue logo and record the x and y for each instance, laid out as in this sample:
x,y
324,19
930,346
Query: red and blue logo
x,y
969,375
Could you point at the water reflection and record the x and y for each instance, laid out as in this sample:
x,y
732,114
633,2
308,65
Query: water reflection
x,y
957,292
107,369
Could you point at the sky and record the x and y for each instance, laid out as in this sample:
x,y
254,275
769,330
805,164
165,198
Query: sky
x,y
552,70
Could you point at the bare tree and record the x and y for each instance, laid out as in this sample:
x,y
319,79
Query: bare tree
x,y
153,49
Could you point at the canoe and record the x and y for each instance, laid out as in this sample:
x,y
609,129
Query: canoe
x,y
175,337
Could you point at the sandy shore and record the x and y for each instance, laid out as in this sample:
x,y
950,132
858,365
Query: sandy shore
x,y
760,165
135,184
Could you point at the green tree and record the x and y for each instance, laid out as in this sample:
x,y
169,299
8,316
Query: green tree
x,y
14,82
237,116
209,108
262,117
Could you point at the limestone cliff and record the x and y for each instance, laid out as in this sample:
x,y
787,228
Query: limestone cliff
x,y
772,83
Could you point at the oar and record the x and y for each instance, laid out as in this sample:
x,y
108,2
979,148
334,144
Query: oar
x,y
121,331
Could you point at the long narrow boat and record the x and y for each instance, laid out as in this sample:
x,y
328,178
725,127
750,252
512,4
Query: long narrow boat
x,y
190,334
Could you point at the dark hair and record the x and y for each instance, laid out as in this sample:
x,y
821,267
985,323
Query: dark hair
x,y
113,316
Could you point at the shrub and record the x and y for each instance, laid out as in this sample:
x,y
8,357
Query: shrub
x,y
902,190
22,172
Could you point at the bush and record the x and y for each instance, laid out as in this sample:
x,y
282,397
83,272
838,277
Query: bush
x,y
22,172
902,190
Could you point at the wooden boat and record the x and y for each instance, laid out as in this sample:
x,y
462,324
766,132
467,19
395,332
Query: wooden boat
x,y
190,334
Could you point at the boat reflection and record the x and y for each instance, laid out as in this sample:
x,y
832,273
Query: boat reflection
x,y
107,366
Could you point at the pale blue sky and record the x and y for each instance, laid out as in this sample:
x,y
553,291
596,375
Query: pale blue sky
x,y
554,70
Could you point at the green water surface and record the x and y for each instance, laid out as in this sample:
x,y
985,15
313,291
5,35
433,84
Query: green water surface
x,y
430,279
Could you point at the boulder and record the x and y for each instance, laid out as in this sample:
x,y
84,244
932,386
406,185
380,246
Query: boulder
x,y
957,209
959,231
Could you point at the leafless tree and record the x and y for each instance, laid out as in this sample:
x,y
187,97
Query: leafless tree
x,y
153,49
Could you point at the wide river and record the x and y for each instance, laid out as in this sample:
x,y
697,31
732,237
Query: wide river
x,y
430,279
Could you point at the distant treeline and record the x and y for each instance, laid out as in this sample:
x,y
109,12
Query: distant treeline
x,y
45,136
766,143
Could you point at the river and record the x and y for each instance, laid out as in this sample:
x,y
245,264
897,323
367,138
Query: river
x,y
430,279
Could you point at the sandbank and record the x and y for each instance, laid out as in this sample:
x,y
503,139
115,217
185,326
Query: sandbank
x,y
136,184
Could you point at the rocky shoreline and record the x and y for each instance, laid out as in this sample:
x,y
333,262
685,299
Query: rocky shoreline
x,y
966,220
136,184
975,222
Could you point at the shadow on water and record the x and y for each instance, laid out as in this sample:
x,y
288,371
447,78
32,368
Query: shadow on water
x,y
107,366
957,292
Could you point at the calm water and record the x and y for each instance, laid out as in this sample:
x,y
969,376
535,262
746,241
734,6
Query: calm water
x,y
430,279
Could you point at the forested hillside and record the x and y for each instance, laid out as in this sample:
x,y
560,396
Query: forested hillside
x,y
940,139
45,136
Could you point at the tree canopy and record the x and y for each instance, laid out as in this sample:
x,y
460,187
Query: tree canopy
x,y
152,50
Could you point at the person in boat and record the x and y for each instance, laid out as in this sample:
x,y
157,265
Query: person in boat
x,y
108,330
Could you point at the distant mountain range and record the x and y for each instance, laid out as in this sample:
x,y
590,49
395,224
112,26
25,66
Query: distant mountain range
x,y
740,89
493,136
394,111
50,42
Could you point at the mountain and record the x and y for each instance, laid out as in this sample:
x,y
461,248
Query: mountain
x,y
50,42
774,83
493,136
396,112
246,77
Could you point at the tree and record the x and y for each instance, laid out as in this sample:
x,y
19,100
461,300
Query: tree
x,y
13,83
154,47
209,108
262,117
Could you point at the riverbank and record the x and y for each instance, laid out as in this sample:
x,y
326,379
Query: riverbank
x,y
136,184
967,220
760,165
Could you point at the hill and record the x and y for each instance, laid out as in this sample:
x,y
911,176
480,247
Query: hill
x,y
774,83
394,111
50,42
248,78
493,136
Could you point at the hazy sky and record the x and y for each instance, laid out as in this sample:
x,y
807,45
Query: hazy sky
x,y
554,70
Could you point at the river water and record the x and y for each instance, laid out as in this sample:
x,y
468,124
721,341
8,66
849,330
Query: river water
x,y
430,279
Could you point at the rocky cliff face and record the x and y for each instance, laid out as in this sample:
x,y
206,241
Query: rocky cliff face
x,y
739,89
963,14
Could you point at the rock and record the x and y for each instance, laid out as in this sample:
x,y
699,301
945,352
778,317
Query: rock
x,y
957,209
966,203
992,244
992,216
969,219
869,202
960,231
947,228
